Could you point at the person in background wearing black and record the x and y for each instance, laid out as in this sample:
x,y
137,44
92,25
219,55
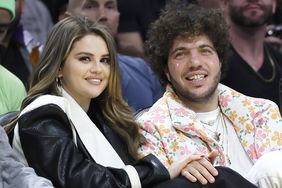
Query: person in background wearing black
x,y
254,67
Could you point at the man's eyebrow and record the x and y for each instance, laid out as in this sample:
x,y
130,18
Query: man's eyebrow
x,y
208,46
110,2
90,2
181,48
178,49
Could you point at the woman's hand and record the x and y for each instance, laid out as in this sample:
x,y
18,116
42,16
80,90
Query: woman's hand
x,y
175,168
201,170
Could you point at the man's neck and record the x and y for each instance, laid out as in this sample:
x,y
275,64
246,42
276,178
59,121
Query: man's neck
x,y
207,105
248,43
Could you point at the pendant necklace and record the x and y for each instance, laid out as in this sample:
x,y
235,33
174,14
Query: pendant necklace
x,y
220,135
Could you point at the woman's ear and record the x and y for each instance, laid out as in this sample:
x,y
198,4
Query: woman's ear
x,y
60,73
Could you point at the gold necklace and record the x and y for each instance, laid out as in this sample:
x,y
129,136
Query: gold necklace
x,y
220,137
272,66
206,125
214,134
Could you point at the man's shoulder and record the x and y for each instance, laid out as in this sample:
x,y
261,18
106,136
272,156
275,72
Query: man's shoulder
x,y
158,107
132,62
9,77
9,83
229,97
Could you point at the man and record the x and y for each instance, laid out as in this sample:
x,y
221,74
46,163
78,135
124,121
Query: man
x,y
197,115
12,91
140,87
257,62
36,19
20,52
6,11
135,18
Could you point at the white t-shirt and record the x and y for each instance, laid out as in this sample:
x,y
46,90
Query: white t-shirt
x,y
221,129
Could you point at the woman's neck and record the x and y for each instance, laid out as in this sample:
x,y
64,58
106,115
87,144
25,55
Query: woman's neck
x,y
84,103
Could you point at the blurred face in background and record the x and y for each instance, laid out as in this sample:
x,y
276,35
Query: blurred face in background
x,y
250,13
103,11
18,13
5,20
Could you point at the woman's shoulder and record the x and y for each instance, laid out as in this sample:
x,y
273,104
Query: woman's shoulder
x,y
45,110
48,119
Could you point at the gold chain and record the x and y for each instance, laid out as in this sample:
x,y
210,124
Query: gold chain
x,y
211,123
272,66
220,120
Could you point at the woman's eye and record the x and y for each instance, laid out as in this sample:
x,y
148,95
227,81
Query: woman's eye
x,y
84,59
105,60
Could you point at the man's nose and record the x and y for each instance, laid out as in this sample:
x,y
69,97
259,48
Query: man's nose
x,y
194,58
102,15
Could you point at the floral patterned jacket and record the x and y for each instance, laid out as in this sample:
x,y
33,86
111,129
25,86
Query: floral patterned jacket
x,y
172,130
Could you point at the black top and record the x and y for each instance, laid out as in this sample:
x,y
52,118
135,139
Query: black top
x,y
47,142
12,59
136,15
241,77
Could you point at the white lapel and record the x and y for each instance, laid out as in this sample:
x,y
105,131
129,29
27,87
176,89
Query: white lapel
x,y
94,141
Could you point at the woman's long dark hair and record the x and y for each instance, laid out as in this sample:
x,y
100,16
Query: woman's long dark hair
x,y
58,46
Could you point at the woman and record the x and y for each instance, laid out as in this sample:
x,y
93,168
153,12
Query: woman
x,y
75,85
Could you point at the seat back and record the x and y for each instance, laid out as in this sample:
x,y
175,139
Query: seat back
x,y
6,118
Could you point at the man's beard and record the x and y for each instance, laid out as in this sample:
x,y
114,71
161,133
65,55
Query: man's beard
x,y
188,96
237,16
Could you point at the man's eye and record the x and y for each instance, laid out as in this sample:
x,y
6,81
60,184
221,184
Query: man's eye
x,y
111,7
105,60
206,51
90,6
179,55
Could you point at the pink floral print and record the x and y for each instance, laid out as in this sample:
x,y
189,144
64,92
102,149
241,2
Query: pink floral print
x,y
172,130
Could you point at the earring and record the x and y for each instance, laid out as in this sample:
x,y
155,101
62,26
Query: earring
x,y
59,81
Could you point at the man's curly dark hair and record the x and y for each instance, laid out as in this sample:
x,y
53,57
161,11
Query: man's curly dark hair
x,y
185,20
